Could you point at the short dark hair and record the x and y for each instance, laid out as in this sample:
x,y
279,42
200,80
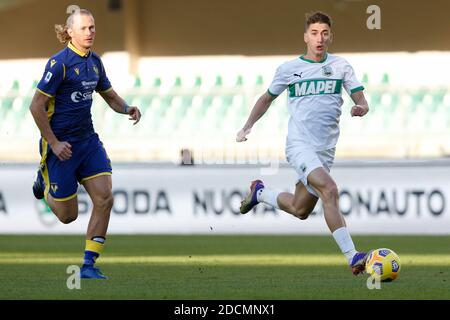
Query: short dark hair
x,y
317,17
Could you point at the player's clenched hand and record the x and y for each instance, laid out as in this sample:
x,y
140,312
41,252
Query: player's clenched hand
x,y
63,150
242,135
358,110
134,114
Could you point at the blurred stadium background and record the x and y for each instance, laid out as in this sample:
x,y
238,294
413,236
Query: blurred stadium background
x,y
195,68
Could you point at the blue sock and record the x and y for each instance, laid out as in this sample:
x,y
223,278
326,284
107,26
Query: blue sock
x,y
93,250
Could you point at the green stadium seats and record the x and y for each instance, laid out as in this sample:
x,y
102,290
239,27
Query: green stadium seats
x,y
157,83
6,104
219,81
239,81
176,108
259,80
177,83
365,79
137,82
15,85
198,82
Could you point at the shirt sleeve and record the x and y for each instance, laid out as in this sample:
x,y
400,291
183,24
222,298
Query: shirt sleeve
x,y
279,83
103,84
52,78
351,83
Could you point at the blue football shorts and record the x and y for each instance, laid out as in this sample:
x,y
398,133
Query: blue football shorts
x,y
89,160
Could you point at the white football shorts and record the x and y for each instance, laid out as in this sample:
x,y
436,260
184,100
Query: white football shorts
x,y
305,159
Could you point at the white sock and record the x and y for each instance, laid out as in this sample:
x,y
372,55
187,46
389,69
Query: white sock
x,y
345,243
268,196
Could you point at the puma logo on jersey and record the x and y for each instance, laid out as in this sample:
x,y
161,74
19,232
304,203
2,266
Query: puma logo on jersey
x,y
298,75
303,167
315,87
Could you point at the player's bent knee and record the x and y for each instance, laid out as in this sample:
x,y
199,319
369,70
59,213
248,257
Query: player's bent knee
x,y
303,217
67,217
67,220
302,214
66,212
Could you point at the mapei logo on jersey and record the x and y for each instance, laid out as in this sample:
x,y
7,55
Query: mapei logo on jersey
x,y
78,96
48,76
327,71
315,87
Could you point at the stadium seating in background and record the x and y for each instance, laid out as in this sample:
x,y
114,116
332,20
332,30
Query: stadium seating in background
x,y
201,109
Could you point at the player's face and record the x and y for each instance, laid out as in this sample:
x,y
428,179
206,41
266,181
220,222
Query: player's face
x,y
82,31
318,37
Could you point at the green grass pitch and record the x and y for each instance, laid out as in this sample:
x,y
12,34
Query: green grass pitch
x,y
219,267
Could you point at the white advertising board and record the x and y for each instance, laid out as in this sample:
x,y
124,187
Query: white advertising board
x,y
375,199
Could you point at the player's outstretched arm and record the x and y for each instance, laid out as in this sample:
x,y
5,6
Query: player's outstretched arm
x,y
261,106
62,149
361,107
120,106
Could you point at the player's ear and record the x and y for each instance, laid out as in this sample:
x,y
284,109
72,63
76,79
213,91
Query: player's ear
x,y
331,37
305,37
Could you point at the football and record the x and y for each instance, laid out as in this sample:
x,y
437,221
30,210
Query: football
x,y
383,264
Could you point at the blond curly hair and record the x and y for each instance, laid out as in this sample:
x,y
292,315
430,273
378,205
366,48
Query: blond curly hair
x,y
61,29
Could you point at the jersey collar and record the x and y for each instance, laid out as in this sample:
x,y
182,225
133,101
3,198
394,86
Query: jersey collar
x,y
78,52
302,57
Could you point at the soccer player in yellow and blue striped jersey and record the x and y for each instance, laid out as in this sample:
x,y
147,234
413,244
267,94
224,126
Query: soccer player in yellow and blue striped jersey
x,y
71,151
